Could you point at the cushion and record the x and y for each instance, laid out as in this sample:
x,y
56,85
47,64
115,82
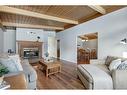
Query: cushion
x,y
123,66
17,61
103,67
122,59
10,64
114,64
29,71
85,74
109,59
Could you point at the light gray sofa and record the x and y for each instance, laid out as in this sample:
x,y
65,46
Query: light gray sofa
x,y
96,75
29,72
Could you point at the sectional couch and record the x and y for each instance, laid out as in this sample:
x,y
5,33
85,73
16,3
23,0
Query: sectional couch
x,y
97,75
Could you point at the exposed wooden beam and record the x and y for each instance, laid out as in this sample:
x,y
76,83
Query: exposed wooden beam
x,y
98,8
58,30
31,26
2,27
68,26
13,10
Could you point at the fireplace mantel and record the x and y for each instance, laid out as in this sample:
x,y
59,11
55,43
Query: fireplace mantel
x,y
29,44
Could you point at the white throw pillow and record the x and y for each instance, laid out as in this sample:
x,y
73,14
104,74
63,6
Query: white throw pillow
x,y
17,61
10,64
114,64
123,65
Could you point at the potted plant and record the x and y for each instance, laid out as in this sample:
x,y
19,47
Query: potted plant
x,y
46,54
3,70
48,58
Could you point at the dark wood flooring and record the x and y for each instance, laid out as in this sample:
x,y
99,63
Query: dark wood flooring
x,y
67,79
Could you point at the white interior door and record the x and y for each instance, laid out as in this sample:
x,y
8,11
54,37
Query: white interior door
x,y
52,47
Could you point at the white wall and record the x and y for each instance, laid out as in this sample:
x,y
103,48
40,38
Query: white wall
x,y
1,40
79,43
46,35
111,29
91,44
52,47
23,34
10,40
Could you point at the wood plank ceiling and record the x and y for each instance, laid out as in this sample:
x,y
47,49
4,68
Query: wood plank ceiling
x,y
60,17
89,36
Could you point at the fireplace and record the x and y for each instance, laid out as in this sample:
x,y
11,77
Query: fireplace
x,y
31,50
31,53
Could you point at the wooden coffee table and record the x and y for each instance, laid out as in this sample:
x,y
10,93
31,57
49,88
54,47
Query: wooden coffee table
x,y
50,67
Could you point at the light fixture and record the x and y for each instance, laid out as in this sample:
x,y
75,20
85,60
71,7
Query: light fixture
x,y
84,40
124,41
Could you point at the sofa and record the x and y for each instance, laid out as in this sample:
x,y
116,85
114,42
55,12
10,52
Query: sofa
x,y
30,74
24,67
97,75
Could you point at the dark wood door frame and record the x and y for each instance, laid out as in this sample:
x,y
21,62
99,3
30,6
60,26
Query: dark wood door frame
x,y
58,49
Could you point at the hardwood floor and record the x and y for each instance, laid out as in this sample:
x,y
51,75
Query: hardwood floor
x,y
67,79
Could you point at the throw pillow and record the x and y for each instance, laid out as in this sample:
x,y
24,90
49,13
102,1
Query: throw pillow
x,y
123,66
114,64
17,61
10,64
109,59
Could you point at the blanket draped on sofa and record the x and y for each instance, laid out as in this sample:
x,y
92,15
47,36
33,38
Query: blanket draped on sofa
x,y
100,79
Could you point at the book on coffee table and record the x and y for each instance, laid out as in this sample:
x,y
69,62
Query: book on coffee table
x,y
4,85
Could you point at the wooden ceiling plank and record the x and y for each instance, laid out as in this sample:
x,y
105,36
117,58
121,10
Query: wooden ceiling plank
x,y
84,19
98,8
13,10
31,26
90,17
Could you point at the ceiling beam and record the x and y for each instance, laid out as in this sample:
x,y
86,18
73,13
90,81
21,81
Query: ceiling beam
x,y
98,8
2,27
31,26
13,10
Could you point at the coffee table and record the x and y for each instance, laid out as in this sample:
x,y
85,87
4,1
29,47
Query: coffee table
x,y
50,67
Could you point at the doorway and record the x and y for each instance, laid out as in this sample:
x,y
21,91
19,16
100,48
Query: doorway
x,y
87,48
52,47
58,49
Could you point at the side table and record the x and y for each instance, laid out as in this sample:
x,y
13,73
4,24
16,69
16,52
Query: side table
x,y
17,81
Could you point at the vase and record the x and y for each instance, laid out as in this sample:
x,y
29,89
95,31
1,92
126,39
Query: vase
x,y
1,79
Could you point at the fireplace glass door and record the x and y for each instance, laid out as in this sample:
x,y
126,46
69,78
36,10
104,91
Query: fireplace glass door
x,y
31,53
